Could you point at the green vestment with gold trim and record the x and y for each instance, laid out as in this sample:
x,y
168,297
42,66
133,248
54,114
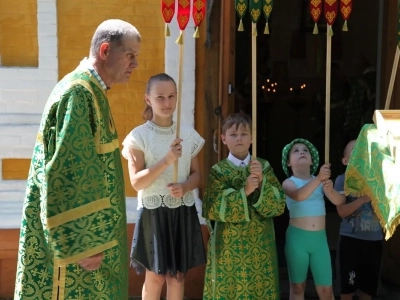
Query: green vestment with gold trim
x,y
75,199
241,259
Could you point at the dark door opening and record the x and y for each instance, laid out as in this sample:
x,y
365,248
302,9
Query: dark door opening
x,y
291,64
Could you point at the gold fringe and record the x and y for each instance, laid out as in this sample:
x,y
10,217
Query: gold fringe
x,y
179,40
345,26
254,29
315,31
196,33
167,32
266,30
364,189
330,31
240,28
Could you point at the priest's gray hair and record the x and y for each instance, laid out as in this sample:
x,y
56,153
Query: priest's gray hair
x,y
112,31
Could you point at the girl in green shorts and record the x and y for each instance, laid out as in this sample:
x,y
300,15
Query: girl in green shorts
x,y
306,243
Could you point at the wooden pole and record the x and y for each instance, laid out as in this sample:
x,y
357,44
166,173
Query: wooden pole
x,y
328,94
392,78
221,81
254,90
178,102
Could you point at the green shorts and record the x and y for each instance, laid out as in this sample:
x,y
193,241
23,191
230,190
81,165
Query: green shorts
x,y
305,249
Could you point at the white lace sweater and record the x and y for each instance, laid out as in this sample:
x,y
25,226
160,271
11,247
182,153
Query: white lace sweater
x,y
154,141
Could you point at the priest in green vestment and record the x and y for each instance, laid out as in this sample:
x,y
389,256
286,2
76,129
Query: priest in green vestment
x,y
73,242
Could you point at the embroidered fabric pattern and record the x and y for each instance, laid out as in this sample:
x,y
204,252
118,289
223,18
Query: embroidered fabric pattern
x,y
154,141
155,201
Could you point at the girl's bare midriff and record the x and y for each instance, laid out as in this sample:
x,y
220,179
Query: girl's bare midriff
x,y
309,223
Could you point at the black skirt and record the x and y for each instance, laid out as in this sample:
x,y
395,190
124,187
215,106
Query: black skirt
x,y
167,241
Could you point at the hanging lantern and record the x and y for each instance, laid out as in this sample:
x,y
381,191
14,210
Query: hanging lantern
x,y
168,11
267,8
330,11
255,13
198,13
241,7
345,9
315,11
183,18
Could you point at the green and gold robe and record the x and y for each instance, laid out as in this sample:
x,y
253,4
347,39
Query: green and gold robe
x,y
241,259
75,199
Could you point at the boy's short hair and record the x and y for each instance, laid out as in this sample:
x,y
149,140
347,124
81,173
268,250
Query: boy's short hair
x,y
235,119
346,145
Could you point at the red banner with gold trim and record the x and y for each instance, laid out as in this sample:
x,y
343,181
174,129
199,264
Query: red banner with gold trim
x,y
198,13
346,7
330,11
183,13
183,17
167,11
315,11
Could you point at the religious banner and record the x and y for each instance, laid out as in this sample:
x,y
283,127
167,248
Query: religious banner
x,y
330,11
345,9
267,8
255,7
315,11
167,11
372,171
183,18
198,13
241,7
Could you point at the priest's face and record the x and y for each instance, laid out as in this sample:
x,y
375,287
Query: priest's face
x,y
121,60
238,140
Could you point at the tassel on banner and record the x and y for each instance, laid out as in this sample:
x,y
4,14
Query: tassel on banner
x,y
240,28
198,14
346,7
167,32
345,26
179,40
266,30
167,11
329,30
241,8
196,33
254,29
315,31
267,9
315,12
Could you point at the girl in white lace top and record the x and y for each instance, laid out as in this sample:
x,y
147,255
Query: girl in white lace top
x,y
167,240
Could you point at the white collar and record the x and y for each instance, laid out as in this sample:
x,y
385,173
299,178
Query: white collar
x,y
238,162
87,64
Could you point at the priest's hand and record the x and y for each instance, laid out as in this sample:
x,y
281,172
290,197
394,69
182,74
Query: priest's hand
x,y
91,263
